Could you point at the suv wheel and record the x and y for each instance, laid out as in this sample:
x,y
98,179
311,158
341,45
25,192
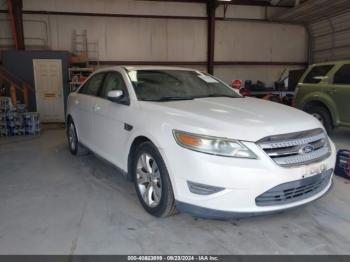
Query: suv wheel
x,y
321,114
152,182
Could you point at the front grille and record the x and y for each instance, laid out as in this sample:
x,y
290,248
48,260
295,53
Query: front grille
x,y
294,191
296,149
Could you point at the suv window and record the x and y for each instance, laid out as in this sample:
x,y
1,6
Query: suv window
x,y
92,86
342,76
314,76
114,81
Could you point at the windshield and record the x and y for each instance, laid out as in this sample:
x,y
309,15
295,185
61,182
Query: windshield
x,y
168,85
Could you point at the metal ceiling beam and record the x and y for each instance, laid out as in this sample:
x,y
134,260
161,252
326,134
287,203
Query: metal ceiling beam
x,y
232,2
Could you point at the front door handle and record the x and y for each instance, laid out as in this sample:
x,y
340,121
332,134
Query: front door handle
x,y
96,108
331,91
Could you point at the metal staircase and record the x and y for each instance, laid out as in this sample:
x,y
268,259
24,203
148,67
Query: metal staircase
x,y
16,88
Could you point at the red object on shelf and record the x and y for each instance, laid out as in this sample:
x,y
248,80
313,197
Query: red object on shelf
x,y
237,84
82,78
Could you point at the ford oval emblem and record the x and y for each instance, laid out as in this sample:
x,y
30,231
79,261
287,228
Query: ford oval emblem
x,y
306,149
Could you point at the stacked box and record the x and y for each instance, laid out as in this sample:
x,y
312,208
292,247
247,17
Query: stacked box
x,y
20,108
5,104
14,121
31,123
3,125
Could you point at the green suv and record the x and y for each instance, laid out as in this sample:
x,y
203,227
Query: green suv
x,y
324,92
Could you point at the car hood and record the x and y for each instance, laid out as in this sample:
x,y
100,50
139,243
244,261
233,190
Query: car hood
x,y
247,119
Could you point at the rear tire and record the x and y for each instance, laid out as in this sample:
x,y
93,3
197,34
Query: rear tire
x,y
152,182
321,114
73,142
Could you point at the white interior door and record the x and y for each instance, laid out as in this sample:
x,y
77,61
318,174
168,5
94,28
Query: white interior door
x,y
49,89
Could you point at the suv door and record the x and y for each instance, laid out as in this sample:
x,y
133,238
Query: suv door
x,y
312,89
83,104
340,92
109,120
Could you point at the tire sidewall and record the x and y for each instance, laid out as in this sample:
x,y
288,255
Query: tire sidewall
x,y
167,192
75,150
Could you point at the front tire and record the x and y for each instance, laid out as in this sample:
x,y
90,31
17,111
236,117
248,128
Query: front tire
x,y
321,114
152,182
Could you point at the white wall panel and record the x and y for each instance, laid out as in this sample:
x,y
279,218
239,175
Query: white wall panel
x,y
250,41
131,39
187,40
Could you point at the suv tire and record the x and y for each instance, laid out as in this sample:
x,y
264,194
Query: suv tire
x,y
322,114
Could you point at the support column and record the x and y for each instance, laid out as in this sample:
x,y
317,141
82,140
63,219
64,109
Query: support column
x,y
16,18
211,7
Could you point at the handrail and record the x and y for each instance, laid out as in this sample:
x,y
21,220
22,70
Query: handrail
x,y
16,83
15,80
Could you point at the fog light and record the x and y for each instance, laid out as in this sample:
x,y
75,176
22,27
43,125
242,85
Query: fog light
x,y
201,189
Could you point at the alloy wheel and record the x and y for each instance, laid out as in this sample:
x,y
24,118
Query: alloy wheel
x,y
148,180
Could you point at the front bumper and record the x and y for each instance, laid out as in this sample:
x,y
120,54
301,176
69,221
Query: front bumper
x,y
203,212
243,181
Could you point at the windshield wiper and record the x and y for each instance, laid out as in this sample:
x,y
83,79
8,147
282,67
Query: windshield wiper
x,y
216,95
169,98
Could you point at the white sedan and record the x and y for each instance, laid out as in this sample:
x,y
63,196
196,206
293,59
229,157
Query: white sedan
x,y
190,142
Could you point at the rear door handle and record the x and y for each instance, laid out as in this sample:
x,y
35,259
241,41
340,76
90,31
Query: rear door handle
x,y
76,102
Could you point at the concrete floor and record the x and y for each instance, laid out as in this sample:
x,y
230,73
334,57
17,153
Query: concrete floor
x,y
54,203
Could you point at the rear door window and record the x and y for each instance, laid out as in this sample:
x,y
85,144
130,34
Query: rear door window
x,y
92,86
316,74
342,76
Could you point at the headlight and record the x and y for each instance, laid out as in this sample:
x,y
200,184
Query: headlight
x,y
213,145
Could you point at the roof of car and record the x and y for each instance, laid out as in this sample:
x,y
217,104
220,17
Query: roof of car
x,y
145,67
340,62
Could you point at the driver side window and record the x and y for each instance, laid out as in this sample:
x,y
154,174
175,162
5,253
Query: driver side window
x,y
114,81
92,86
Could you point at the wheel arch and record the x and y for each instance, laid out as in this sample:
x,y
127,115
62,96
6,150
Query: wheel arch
x,y
139,138
136,141
328,105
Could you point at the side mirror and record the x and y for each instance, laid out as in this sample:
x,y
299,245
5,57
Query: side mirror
x,y
118,96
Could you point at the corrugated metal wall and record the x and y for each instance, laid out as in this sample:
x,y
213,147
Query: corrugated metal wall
x,y
331,38
328,22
